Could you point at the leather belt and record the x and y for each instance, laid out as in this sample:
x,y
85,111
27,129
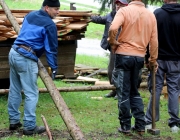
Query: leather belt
x,y
29,49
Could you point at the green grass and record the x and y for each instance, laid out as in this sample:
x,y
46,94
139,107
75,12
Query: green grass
x,y
97,61
94,31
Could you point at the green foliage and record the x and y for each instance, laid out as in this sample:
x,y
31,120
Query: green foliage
x,y
94,31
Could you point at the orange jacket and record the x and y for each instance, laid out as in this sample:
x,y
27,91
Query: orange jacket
x,y
139,28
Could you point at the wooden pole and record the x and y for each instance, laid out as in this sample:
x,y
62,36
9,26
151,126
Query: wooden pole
x,y
64,111
47,127
71,89
153,98
78,89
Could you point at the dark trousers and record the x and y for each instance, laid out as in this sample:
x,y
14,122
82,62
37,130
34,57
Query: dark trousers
x,y
125,78
172,71
111,66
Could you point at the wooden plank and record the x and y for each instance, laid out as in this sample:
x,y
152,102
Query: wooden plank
x,y
77,81
64,18
2,22
4,74
64,32
4,28
97,83
76,18
17,11
95,72
2,38
84,66
75,14
74,11
13,32
86,78
7,35
75,26
63,24
70,37
19,15
56,21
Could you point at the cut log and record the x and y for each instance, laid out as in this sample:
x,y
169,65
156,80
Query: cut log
x,y
71,89
64,111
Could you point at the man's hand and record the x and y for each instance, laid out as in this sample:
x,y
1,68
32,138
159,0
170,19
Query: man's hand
x,y
153,64
114,46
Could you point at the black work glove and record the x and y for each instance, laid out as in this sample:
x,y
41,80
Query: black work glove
x,y
54,72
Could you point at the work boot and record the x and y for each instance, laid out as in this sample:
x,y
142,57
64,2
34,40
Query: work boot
x,y
111,94
174,129
15,126
148,126
36,130
138,131
125,132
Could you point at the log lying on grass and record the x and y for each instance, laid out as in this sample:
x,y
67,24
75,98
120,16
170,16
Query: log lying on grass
x,y
71,89
98,87
64,111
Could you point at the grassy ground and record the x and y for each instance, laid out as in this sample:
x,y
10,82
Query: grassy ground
x,y
98,119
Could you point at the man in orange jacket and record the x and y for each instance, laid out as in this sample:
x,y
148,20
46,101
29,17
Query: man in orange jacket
x,y
138,29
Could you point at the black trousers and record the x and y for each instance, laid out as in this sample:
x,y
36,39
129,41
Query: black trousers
x,y
125,78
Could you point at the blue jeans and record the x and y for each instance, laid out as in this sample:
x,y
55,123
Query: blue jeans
x,y
23,76
126,80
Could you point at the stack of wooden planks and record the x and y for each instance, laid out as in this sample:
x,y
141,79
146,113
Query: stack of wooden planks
x,y
71,24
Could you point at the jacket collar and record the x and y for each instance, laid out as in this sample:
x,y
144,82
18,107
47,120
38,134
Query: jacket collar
x,y
137,3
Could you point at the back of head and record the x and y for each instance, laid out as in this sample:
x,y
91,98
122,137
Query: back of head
x,y
124,2
51,3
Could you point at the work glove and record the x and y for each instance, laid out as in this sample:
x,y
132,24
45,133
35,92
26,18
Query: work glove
x,y
54,72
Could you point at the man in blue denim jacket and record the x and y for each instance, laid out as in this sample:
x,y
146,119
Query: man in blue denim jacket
x,y
37,35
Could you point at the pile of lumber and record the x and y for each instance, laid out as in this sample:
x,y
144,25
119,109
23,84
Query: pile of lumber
x,y
71,24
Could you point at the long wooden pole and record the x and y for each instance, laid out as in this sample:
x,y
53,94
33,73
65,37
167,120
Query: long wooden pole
x,y
64,111
80,88
153,98
71,89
